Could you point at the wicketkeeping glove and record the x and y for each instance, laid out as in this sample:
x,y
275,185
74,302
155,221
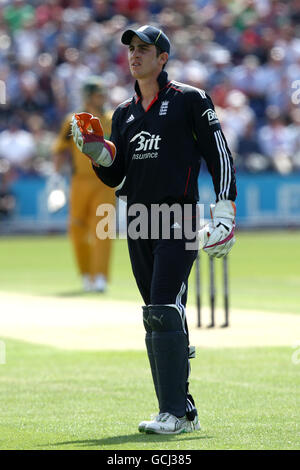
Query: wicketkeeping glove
x,y
217,237
87,134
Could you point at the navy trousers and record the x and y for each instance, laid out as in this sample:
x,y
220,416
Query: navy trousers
x,y
161,267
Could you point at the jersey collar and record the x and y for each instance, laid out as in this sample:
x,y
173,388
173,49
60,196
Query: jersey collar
x,y
162,81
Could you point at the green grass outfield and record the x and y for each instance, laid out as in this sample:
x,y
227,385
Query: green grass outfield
x,y
53,399
248,398
263,266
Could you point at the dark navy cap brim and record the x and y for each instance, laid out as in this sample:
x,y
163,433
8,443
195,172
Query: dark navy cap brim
x,y
128,35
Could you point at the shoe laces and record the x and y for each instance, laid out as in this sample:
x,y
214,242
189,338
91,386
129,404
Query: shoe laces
x,y
164,417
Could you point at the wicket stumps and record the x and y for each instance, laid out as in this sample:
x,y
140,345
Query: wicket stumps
x,y
212,291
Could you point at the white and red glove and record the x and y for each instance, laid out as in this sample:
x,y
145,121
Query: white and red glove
x,y
88,136
217,237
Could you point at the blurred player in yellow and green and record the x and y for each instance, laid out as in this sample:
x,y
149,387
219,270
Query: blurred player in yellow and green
x,y
87,193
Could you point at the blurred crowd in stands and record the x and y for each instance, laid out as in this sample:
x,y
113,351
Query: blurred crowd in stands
x,y
244,53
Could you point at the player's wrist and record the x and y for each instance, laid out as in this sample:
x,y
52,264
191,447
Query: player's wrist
x,y
105,154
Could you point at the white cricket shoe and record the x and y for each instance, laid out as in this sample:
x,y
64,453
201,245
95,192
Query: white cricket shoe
x,y
87,283
99,284
165,423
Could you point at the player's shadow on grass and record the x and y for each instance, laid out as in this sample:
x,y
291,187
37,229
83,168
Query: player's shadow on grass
x,y
136,438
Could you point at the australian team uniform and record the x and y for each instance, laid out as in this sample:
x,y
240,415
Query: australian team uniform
x,y
159,152
86,194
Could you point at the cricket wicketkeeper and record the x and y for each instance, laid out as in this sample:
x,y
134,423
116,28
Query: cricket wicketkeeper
x,y
158,139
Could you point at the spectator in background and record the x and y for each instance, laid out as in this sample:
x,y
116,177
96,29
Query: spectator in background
x,y
249,153
17,153
75,72
277,94
236,117
17,13
43,139
275,141
294,137
18,148
190,70
248,79
26,41
220,68
87,193
32,99
272,71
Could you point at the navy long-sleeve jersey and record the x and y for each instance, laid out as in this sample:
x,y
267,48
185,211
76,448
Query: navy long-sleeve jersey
x,y
159,150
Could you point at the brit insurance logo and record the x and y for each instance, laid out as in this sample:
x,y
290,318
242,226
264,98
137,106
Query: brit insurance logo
x,y
147,144
211,116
